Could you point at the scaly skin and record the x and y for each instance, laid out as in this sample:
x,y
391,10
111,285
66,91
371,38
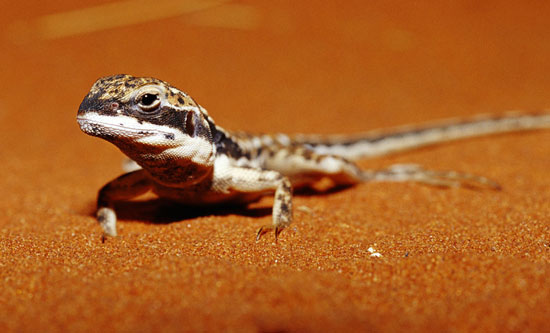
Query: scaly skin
x,y
184,156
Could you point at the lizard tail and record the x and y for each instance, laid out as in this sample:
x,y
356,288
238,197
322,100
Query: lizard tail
x,y
377,143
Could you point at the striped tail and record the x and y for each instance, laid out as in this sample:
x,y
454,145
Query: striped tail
x,y
377,143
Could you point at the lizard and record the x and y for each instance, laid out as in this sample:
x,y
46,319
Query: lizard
x,y
183,155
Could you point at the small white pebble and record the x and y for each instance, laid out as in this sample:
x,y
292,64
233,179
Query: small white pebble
x,y
376,254
370,249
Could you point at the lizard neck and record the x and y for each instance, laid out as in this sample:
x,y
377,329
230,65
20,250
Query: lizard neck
x,y
226,143
181,165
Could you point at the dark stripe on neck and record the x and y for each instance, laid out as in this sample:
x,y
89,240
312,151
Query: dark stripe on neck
x,y
225,144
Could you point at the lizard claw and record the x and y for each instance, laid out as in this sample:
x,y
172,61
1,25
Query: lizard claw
x,y
267,228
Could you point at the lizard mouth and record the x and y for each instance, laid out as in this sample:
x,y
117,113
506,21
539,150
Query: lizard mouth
x,y
106,130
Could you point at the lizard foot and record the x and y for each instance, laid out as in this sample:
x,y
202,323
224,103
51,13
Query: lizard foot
x,y
412,172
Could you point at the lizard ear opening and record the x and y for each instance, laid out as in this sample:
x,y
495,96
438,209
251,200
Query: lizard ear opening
x,y
190,123
195,125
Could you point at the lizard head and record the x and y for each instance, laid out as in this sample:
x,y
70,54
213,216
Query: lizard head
x,y
149,120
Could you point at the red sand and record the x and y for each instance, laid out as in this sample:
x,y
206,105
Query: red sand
x,y
452,260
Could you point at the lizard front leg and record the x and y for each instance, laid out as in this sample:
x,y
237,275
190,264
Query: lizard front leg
x,y
282,209
124,187
251,180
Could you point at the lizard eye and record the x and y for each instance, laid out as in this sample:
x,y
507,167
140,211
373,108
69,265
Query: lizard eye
x,y
148,102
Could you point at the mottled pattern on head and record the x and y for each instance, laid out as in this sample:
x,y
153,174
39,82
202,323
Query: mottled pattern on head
x,y
119,88
146,100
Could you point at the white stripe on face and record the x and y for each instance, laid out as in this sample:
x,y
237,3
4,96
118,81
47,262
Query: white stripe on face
x,y
125,127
